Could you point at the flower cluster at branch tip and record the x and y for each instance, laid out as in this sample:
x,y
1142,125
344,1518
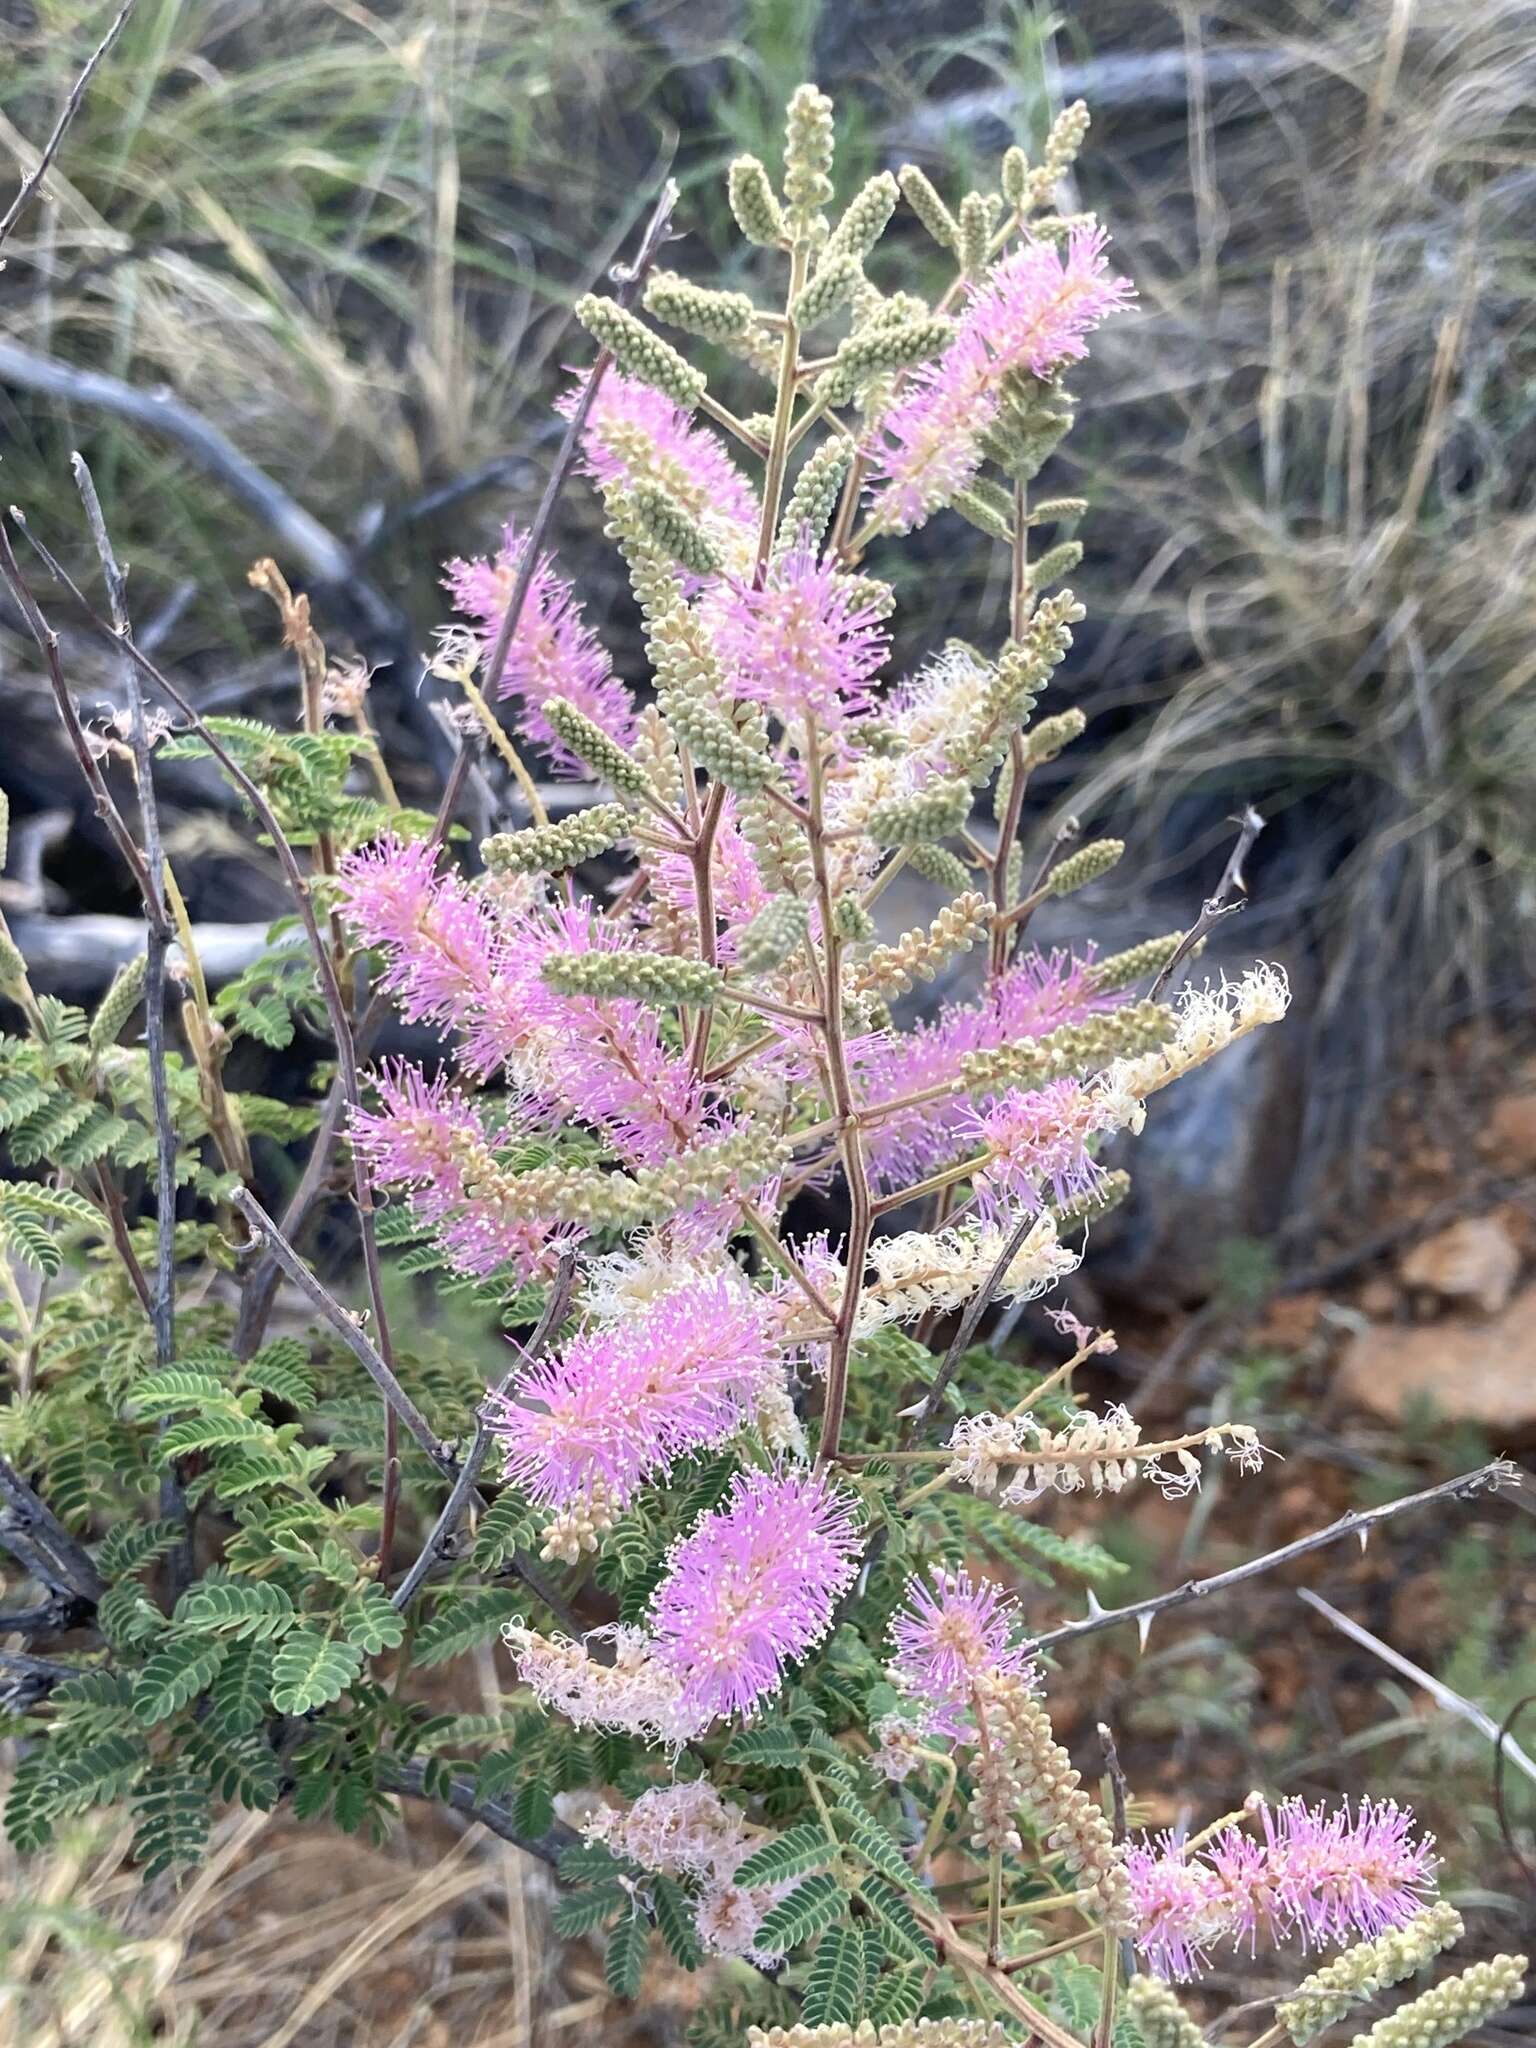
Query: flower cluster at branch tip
x,y
1037,1143
947,1638
1032,316
1210,1018
428,1139
552,653
636,434
752,1588
1310,1875
749,1591
620,1404
1039,993
808,643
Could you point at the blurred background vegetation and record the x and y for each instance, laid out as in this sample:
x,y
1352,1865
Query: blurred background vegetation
x,y
300,284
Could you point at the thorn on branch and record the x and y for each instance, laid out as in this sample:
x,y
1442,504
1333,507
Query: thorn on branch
x,y
1219,904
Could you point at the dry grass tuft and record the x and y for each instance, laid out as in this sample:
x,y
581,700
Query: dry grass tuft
x,y
1322,448
289,1938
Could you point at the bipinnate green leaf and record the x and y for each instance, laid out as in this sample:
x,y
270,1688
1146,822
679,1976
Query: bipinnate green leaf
x,y
895,1919
674,1917
310,1670
506,1525
877,1849
176,1388
834,1990
132,1545
772,1745
579,1912
624,1957
819,1902
242,1767
211,1433
897,1995
464,1621
172,1817
791,1854
174,1675
240,1697
240,1609
369,1620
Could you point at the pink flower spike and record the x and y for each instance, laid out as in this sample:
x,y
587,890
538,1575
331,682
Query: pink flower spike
x,y
1171,1902
807,642
1309,1876
950,1635
553,652
388,888
436,930
635,434
753,1587
1033,314
1346,1876
620,1404
1039,1144
1038,993
1036,310
600,1059
426,1139
930,439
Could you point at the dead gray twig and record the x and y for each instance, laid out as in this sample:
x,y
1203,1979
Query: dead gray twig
x,y
1359,1522
30,1525
346,1325
555,1311
1218,904
50,149
1439,1692
162,1307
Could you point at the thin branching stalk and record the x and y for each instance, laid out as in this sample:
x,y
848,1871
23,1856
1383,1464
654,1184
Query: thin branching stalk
x,y
31,184
456,1506
158,929
1359,1522
325,965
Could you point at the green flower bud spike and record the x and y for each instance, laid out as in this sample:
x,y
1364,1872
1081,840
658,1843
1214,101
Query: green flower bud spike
x,y
813,500
716,316
937,864
756,210
663,520
1323,1999
808,141
1452,2009
876,352
940,808
1162,2021
772,936
1137,963
1084,866
640,977
546,849
918,191
638,352
828,292
603,755
865,221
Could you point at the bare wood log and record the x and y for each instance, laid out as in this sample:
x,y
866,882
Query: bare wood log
x,y
293,531
1140,78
